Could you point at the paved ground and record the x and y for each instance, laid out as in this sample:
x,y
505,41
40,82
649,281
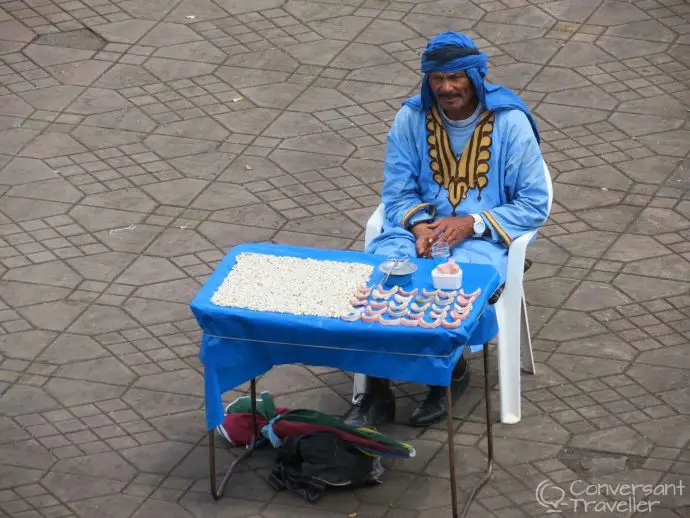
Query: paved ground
x,y
139,139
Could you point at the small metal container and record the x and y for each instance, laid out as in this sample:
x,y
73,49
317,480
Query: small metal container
x,y
399,272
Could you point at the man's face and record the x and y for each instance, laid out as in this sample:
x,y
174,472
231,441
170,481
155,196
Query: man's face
x,y
454,91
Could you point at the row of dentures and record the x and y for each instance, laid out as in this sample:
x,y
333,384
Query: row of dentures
x,y
396,307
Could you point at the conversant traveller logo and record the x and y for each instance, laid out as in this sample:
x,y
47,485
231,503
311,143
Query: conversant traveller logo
x,y
609,497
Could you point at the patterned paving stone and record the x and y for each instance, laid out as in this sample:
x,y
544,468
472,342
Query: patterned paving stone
x,y
141,139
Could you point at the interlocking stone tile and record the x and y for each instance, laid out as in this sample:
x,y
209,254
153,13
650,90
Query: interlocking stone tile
x,y
101,267
674,143
12,140
175,192
577,368
672,432
667,267
126,31
12,476
207,165
78,392
27,454
150,312
606,345
25,170
23,294
54,98
648,288
54,190
106,370
153,508
590,296
102,319
172,241
25,345
99,138
115,506
21,399
68,348
591,243
45,55
125,76
79,73
624,48
156,458
55,316
150,403
563,116
184,427
570,325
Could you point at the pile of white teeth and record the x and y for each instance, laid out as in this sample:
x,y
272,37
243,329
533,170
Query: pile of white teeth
x,y
283,284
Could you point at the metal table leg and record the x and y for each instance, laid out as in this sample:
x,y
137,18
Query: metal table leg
x,y
217,491
451,449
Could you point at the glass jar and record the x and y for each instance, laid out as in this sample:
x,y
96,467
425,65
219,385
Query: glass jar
x,y
440,251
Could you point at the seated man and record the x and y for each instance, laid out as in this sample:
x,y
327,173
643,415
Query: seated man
x,y
462,164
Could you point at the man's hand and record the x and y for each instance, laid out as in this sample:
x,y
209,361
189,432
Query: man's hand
x,y
425,237
455,229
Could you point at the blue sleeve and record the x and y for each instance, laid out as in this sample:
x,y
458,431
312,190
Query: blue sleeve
x,y
527,205
401,169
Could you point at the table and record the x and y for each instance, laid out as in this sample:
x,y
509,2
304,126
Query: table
x,y
238,345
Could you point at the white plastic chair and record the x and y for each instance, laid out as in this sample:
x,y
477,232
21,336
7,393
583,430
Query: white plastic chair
x,y
514,339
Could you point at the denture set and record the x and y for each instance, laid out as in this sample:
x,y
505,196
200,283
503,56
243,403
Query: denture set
x,y
396,306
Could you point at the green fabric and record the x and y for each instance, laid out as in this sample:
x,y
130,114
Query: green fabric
x,y
243,405
319,418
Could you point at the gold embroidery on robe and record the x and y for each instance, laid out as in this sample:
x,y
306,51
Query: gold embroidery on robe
x,y
459,175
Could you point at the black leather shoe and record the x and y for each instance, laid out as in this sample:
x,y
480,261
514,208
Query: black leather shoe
x,y
372,410
433,408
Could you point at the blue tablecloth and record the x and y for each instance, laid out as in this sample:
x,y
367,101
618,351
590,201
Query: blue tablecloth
x,y
239,344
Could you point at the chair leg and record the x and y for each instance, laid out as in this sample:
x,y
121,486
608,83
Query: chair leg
x,y
359,387
525,339
509,361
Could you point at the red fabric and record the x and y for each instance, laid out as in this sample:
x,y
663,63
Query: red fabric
x,y
285,428
238,427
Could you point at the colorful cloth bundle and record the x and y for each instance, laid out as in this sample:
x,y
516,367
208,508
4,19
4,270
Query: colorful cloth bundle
x,y
278,423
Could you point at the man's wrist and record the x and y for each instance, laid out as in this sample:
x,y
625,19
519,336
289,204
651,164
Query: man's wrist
x,y
479,226
416,226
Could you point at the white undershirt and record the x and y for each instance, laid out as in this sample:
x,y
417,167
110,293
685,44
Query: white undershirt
x,y
463,122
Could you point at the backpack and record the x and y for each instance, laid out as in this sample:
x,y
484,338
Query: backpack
x,y
308,464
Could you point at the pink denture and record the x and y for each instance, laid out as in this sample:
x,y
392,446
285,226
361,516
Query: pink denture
x,y
409,322
389,292
451,325
368,317
430,325
389,322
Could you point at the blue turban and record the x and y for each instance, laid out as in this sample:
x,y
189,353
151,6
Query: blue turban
x,y
454,52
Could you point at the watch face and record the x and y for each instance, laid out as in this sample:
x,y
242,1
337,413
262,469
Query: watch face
x,y
479,227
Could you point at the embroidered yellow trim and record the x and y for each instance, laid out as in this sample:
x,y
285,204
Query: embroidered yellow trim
x,y
416,209
504,235
459,175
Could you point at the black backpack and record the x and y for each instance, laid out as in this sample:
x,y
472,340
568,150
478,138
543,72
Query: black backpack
x,y
308,464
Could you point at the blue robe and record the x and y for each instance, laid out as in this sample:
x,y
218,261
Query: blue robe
x,y
507,188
